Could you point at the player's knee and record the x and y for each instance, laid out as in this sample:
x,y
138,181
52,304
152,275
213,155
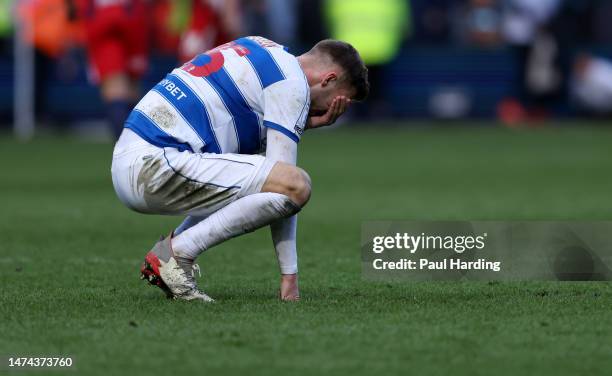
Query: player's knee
x,y
296,185
290,181
300,187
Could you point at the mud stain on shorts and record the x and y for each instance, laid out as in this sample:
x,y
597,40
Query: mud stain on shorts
x,y
163,117
167,192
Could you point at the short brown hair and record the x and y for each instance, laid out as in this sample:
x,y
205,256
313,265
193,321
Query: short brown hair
x,y
346,56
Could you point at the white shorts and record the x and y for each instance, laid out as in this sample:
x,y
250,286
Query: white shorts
x,y
156,180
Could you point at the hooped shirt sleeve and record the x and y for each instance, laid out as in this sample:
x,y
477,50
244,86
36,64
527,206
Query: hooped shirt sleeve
x,y
286,106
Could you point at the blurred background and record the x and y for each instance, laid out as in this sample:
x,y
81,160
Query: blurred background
x,y
515,62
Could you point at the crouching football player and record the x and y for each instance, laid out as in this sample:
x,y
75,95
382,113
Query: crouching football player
x,y
192,147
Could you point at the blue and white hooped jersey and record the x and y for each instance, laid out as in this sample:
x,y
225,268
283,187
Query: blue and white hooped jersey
x,y
223,100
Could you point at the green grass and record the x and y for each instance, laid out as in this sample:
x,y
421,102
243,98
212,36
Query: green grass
x,y
70,252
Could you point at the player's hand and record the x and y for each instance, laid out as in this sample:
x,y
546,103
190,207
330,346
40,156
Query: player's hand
x,y
289,287
337,108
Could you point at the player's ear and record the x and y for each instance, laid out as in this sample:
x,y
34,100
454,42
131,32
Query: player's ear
x,y
329,78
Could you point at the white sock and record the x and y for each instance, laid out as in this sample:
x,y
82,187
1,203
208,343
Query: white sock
x,y
188,223
241,216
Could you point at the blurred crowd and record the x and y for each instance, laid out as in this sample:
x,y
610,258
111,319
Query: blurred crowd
x,y
559,47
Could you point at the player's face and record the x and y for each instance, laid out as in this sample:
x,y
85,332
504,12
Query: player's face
x,y
324,93
319,109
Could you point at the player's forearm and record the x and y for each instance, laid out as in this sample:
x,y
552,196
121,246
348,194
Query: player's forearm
x,y
284,232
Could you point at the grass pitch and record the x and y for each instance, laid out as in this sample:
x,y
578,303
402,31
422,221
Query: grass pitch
x,y
70,253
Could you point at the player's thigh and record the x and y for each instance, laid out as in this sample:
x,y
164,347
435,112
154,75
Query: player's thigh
x,y
198,184
130,156
213,181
